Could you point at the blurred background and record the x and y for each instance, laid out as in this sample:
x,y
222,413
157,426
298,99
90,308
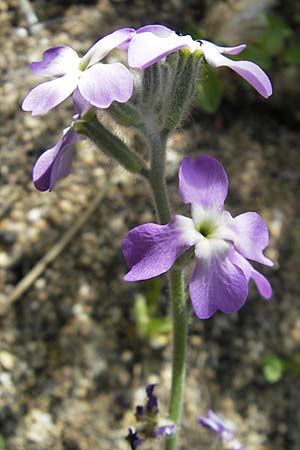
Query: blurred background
x,y
77,344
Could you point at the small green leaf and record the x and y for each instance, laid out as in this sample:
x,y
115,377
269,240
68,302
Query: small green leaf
x,y
161,325
273,369
141,316
152,293
208,93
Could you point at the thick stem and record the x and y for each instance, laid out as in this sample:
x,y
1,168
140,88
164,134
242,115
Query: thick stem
x,y
176,286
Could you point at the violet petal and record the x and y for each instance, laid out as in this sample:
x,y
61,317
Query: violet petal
x,y
165,430
203,181
105,45
248,70
254,75
158,30
229,50
48,95
147,48
217,285
55,163
80,103
252,237
102,84
263,285
57,61
151,249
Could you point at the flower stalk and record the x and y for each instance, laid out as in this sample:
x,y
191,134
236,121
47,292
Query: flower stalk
x,y
176,288
111,145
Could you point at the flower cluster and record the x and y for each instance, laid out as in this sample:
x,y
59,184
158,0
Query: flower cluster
x,y
222,430
150,424
222,244
96,84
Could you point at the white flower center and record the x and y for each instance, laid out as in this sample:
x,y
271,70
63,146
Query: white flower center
x,y
214,233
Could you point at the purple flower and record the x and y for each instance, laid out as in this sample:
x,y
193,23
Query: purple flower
x,y
151,407
56,162
168,430
151,425
134,440
222,244
224,432
152,403
100,84
153,42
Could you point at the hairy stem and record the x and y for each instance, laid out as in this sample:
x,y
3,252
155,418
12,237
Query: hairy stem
x,y
111,145
176,286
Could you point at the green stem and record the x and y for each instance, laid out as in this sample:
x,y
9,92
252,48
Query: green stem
x,y
111,144
157,178
176,283
176,286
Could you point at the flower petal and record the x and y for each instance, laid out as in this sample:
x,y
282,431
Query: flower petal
x,y
48,95
217,285
55,163
230,50
252,237
103,46
102,84
168,430
262,284
254,75
158,30
146,48
80,103
203,181
57,61
246,69
151,249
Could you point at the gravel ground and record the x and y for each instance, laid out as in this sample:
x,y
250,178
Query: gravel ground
x,y
71,364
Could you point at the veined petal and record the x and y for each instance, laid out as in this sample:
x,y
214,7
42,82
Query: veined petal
x,y
102,84
219,285
48,95
57,61
55,163
146,48
151,249
252,237
203,181
255,76
159,30
105,45
248,70
263,285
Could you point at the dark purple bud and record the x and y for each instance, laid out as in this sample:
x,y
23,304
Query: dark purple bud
x,y
152,403
133,439
140,413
